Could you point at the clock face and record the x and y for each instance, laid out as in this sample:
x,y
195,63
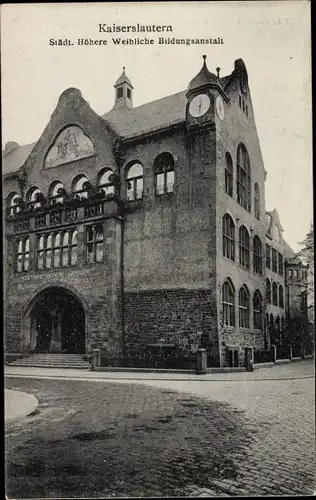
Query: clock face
x,y
199,105
220,108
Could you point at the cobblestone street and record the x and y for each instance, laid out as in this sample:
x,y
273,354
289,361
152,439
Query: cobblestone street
x,y
253,435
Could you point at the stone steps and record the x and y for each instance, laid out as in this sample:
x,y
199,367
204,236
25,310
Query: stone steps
x,y
53,361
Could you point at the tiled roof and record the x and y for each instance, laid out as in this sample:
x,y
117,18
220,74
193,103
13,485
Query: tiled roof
x,y
11,162
148,117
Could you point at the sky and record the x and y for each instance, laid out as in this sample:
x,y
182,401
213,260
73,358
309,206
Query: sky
x,y
273,39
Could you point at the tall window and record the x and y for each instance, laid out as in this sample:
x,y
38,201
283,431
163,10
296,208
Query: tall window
x,y
228,303
78,187
244,247
164,173
268,256
228,228
274,261
94,243
243,178
281,296
57,250
229,176
280,262
275,294
134,182
268,290
23,255
290,273
257,310
257,255
244,312
257,201
104,183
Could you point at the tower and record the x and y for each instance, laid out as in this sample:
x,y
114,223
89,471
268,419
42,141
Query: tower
x,y
123,92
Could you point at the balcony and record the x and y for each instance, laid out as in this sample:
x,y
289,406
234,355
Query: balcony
x,y
32,217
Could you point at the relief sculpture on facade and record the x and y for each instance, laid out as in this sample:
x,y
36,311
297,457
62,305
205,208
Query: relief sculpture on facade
x,y
70,145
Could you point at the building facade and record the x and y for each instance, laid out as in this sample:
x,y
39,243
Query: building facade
x,y
144,224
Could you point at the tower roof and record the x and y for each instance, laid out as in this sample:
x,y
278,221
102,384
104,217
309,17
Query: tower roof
x,y
204,77
123,79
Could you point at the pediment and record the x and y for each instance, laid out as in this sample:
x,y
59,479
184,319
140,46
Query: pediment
x,y
74,132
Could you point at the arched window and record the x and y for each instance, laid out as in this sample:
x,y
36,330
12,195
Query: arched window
x,y
257,201
104,182
268,256
94,243
48,251
32,197
228,300
229,175
23,255
40,252
134,182
257,310
164,173
244,309
78,187
12,206
257,255
275,294
268,290
281,296
228,230
244,247
243,178
54,192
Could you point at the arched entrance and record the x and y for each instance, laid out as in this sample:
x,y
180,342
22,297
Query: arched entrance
x,y
57,322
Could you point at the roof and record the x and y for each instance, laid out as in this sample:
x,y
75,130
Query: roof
x,y
123,79
12,161
288,251
148,117
204,77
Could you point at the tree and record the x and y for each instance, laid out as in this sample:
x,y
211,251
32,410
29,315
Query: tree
x,y
307,255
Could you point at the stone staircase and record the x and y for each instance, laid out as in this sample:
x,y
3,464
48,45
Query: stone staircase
x,y
53,361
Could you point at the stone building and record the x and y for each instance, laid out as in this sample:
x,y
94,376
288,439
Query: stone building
x,y
146,223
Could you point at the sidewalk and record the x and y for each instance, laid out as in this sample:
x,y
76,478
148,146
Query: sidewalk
x,y
301,369
19,404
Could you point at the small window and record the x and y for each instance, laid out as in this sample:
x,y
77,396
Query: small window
x,y
129,93
79,188
12,204
119,92
290,271
296,273
274,261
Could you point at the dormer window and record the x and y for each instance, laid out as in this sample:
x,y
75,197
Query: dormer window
x,y
119,92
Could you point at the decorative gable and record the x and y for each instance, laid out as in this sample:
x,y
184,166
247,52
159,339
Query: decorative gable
x,y
71,144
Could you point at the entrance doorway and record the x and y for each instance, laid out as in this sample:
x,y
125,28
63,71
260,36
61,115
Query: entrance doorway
x,y
57,323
